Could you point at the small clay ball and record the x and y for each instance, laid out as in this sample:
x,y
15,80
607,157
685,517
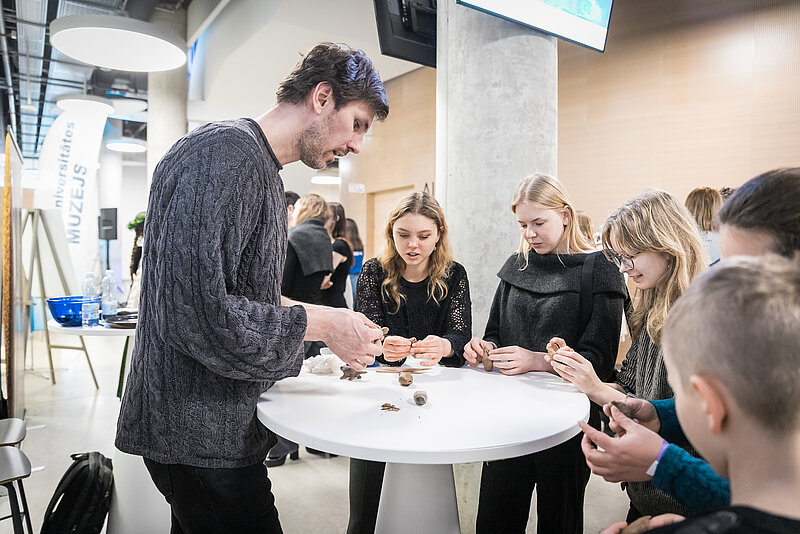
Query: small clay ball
x,y
488,364
420,398
405,379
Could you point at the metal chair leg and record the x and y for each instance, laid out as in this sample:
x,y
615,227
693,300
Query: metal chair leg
x,y
25,510
14,504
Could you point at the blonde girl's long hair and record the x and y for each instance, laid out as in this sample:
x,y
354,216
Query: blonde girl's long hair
x,y
656,221
550,193
439,262
310,206
704,203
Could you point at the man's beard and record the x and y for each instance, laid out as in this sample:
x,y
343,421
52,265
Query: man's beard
x,y
311,143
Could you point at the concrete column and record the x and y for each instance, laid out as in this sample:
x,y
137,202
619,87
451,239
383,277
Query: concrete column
x,y
496,122
166,98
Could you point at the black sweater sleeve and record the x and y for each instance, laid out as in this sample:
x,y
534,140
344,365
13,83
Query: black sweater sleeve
x,y
289,269
458,317
492,332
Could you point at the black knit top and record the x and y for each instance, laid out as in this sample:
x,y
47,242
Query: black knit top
x,y
212,335
420,316
542,301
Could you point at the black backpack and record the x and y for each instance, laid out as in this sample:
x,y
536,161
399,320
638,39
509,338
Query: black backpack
x,y
82,498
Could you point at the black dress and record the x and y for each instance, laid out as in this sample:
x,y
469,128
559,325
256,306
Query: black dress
x,y
418,317
334,295
530,307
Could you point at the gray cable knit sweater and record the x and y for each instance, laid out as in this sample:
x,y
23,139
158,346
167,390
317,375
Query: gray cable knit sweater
x,y
212,335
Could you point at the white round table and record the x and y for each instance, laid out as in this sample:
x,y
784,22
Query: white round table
x,y
471,415
99,331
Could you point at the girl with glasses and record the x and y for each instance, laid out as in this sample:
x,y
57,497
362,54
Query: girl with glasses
x,y
654,239
539,296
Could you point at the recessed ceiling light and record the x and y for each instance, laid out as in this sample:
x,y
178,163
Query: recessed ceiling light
x,y
118,43
82,103
126,144
27,107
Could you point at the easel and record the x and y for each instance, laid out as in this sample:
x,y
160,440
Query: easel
x,y
35,216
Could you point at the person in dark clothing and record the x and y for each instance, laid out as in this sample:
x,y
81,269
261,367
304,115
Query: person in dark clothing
x,y
539,297
352,237
309,253
308,264
214,332
740,408
342,259
291,198
417,291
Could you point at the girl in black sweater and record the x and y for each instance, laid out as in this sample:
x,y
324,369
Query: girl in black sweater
x,y
540,293
417,291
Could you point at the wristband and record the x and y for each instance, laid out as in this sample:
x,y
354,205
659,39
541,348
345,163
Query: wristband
x,y
652,469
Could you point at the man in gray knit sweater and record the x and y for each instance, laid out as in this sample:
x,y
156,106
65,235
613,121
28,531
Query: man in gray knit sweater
x,y
214,331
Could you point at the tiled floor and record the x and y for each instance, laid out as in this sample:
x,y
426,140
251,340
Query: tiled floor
x,y
311,493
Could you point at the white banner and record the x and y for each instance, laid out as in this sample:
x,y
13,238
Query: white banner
x,y
67,180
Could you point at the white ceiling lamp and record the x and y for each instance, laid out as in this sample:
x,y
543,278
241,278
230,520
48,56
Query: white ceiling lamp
x,y
126,144
325,179
82,103
129,109
118,43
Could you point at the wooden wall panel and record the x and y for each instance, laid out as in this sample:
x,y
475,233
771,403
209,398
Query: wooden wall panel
x,y
700,101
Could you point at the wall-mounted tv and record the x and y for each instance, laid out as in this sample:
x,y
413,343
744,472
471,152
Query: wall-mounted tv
x,y
407,29
581,21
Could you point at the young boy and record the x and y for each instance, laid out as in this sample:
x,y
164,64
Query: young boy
x,y
732,352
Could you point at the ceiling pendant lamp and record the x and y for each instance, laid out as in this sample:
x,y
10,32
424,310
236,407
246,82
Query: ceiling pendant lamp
x,y
118,43
126,144
85,103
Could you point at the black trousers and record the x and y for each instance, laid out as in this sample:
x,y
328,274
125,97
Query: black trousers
x,y
217,501
366,481
559,474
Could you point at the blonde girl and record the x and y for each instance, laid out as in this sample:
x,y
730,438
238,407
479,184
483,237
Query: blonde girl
x,y
654,240
540,296
419,292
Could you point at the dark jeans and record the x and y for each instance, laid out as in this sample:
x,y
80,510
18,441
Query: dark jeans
x,y
366,481
217,501
559,474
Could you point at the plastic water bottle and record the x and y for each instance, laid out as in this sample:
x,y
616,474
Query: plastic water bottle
x,y
90,305
109,302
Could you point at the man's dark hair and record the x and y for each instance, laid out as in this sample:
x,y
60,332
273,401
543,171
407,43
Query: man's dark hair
x,y
768,203
291,198
349,72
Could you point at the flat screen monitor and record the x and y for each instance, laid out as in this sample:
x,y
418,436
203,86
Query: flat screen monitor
x,y
581,21
407,29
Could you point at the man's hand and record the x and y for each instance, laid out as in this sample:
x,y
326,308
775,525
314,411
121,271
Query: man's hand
x,y
641,411
351,336
475,348
622,459
395,348
432,349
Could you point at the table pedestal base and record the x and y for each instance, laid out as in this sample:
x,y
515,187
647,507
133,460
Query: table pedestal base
x,y
418,498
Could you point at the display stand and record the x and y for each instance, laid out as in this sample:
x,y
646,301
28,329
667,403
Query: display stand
x,y
36,218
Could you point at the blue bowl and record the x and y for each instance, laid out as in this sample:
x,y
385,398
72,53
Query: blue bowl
x,y
67,310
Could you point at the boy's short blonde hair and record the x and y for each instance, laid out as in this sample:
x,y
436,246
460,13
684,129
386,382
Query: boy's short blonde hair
x,y
739,323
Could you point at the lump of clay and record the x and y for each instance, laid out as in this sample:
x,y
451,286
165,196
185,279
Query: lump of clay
x,y
420,398
626,410
350,374
384,330
405,379
488,364
389,407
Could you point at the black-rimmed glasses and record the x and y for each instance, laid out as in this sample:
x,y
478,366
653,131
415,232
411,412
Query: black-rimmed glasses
x,y
621,260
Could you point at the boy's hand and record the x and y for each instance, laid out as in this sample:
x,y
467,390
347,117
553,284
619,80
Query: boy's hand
x,y
475,347
395,348
640,410
622,459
